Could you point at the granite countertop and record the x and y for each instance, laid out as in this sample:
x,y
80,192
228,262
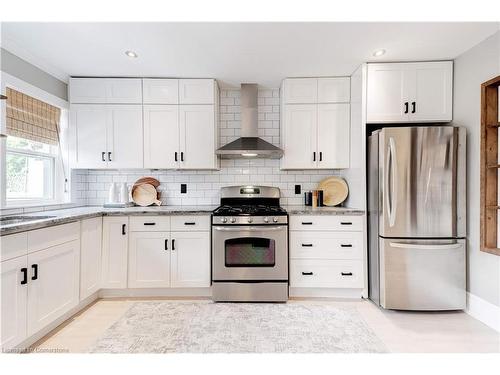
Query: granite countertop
x,y
308,210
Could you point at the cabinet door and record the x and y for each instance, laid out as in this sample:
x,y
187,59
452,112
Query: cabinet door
x,y
160,91
300,90
333,135
114,252
149,260
196,91
90,260
431,96
87,90
197,137
123,90
53,284
161,136
299,136
334,90
387,93
89,123
13,300
124,136
190,259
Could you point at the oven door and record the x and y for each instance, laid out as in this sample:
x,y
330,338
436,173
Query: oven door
x,y
250,253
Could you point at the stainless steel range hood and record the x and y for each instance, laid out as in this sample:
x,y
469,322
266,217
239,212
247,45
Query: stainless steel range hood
x,y
249,145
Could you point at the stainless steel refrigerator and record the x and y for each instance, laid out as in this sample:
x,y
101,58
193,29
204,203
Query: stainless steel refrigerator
x,y
416,213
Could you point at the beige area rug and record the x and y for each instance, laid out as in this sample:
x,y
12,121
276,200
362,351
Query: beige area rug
x,y
205,327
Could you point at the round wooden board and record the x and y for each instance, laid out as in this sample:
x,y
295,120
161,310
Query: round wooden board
x,y
145,195
335,190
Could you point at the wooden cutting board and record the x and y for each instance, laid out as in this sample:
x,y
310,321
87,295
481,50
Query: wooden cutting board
x,y
145,195
335,190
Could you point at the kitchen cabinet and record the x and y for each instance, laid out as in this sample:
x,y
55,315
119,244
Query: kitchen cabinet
x,y
13,301
334,90
105,90
197,91
300,90
53,285
107,136
91,254
190,261
410,92
114,252
160,91
333,136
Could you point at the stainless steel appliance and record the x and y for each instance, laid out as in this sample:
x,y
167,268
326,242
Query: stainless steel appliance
x,y
416,202
250,246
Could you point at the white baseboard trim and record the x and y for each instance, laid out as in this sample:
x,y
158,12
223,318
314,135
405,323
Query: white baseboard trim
x,y
483,311
156,292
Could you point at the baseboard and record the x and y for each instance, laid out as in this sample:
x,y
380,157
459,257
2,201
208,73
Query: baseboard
x,y
483,311
156,292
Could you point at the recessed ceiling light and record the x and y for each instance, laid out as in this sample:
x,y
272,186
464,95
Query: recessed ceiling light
x,y
379,52
131,54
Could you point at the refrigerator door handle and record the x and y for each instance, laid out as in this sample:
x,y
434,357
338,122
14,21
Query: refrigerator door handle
x,y
425,247
391,185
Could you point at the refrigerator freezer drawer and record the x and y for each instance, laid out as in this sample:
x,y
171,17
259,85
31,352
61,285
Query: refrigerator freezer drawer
x,y
422,274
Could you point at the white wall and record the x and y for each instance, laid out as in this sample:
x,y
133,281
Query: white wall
x,y
472,68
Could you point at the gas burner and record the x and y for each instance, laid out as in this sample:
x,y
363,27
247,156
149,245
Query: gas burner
x,y
248,210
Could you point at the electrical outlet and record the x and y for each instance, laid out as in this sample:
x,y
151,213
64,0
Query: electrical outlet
x,y
297,189
183,188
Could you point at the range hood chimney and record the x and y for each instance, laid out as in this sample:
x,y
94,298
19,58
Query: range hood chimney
x,y
249,145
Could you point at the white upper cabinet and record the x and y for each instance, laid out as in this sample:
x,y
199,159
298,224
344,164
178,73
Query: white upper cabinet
x,y
333,135
160,91
105,90
334,90
410,92
300,90
161,136
196,91
90,259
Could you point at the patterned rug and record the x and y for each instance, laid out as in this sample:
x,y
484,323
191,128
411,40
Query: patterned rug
x,y
205,327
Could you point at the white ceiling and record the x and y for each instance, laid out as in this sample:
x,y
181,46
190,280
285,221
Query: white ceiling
x,y
264,53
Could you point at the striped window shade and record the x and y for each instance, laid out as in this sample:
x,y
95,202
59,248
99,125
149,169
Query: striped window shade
x,y
31,118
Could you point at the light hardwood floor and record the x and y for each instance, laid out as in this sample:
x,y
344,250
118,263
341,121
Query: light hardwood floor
x,y
400,331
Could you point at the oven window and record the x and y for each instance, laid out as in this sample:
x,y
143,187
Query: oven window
x,y
249,252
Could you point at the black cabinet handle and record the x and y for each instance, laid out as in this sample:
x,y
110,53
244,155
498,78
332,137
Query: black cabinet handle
x,y
173,244
149,223
166,244
24,281
406,107
189,223
307,273
123,229
35,271
109,156
102,156
345,245
314,156
345,223
175,156
307,223
346,273
307,245
413,107
320,156
182,156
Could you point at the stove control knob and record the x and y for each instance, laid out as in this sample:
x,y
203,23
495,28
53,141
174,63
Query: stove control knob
x,y
249,219
232,220
266,220
275,219
224,220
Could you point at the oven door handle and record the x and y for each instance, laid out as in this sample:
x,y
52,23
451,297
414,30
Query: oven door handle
x,y
250,228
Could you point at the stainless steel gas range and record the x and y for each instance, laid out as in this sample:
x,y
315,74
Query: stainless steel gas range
x,y
250,246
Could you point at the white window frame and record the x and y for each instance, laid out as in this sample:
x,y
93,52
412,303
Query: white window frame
x,y
62,192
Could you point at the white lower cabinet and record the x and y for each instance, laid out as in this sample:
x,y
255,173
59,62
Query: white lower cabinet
x,y
190,262
91,254
114,252
53,283
326,273
13,302
149,260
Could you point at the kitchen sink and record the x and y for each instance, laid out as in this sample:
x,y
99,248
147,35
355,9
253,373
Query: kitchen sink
x,y
8,220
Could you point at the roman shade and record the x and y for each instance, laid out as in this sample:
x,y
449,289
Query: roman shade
x,y
31,118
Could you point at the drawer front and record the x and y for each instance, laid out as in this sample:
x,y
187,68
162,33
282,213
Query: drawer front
x,y
326,245
47,237
13,246
326,273
326,222
149,223
190,223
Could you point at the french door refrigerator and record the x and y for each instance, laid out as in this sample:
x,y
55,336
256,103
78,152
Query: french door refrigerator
x,y
417,228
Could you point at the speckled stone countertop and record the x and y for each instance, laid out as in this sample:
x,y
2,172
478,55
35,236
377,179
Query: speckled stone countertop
x,y
308,210
68,215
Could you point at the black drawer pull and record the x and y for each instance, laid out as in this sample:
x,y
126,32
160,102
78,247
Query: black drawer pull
x,y
35,271
149,223
166,244
314,156
345,223
307,223
321,156
345,245
173,244
123,229
109,156
175,156
346,273
413,107
189,223
307,273
24,270
182,156
102,156
406,107
307,245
